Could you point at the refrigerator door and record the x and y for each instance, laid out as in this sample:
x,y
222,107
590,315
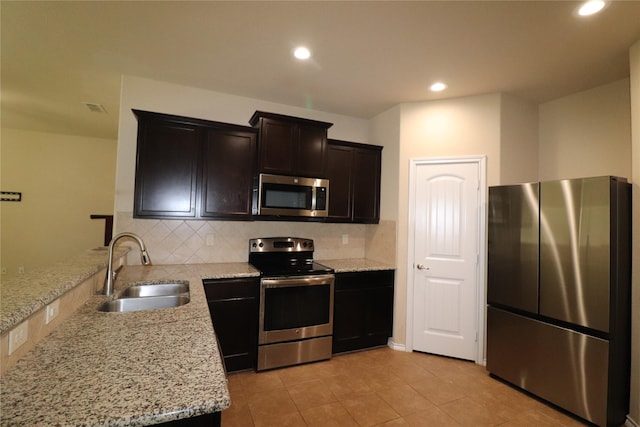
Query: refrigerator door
x,y
575,251
513,246
565,367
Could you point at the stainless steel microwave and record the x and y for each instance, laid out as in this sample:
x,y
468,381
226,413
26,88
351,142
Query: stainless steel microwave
x,y
292,196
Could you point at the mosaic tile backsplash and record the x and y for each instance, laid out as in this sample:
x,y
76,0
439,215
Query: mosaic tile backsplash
x,y
193,242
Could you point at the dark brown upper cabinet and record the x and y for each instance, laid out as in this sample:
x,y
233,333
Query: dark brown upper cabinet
x,y
291,145
192,168
228,170
354,181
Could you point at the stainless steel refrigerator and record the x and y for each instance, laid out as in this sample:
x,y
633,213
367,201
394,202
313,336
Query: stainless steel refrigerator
x,y
559,293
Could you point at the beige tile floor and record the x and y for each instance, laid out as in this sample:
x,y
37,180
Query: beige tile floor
x,y
383,387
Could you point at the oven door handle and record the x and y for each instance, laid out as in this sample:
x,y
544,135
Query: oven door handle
x,y
277,282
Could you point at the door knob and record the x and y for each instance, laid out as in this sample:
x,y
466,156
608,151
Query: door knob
x,y
422,267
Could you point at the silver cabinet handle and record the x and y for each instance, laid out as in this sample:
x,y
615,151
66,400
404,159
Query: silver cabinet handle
x,y
422,267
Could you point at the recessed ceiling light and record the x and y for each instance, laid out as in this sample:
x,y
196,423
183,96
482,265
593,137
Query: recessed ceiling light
x,y
438,87
591,7
302,53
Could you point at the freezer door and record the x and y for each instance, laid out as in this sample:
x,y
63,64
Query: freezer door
x,y
575,251
565,367
513,246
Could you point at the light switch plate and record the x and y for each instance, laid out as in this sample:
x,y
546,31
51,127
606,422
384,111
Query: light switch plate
x,y
345,239
53,310
18,336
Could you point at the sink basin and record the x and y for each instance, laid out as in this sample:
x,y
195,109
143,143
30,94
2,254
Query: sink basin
x,y
156,289
120,305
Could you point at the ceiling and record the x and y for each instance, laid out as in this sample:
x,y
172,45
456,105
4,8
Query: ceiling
x,y
367,55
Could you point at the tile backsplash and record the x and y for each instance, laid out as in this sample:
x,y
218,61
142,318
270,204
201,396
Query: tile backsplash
x,y
178,241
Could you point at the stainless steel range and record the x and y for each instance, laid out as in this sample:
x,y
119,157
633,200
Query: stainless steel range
x,y
296,302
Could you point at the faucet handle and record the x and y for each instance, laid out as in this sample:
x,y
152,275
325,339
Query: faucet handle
x,y
144,257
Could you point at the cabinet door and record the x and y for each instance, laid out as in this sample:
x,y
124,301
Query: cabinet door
x,y
166,170
233,305
340,184
380,320
354,181
366,186
311,152
349,319
290,145
277,145
363,310
228,169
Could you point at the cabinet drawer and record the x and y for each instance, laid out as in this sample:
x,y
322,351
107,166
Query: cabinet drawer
x,y
223,289
364,279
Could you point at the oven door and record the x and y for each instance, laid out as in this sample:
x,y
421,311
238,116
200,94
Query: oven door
x,y
295,308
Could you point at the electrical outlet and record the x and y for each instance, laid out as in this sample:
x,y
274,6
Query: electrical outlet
x,y
53,310
345,239
21,269
210,239
18,336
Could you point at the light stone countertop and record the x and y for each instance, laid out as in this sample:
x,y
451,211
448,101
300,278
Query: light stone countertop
x,y
125,369
23,295
354,264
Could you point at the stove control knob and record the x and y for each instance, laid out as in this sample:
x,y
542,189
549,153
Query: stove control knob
x,y
261,244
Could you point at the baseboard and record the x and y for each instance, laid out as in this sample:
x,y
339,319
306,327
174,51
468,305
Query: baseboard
x,y
395,346
631,423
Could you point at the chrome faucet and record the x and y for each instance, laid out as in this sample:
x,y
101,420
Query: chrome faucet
x,y
111,275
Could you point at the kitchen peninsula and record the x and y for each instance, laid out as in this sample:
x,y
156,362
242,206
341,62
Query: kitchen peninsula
x,y
137,368
117,369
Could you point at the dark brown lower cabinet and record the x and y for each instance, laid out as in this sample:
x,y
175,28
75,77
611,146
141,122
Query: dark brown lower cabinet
x,y
208,420
233,304
363,310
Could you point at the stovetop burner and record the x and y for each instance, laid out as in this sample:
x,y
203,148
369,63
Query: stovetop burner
x,y
285,256
307,270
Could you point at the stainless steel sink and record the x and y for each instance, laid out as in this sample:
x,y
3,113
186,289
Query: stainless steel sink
x,y
155,290
120,305
148,296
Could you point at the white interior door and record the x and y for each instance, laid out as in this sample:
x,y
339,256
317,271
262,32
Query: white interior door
x,y
445,270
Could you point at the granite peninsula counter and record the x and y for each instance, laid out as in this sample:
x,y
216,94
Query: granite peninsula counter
x,y
27,293
120,369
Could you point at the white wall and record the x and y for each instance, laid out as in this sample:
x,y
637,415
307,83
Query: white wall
x,y
384,129
634,59
587,134
518,141
63,179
